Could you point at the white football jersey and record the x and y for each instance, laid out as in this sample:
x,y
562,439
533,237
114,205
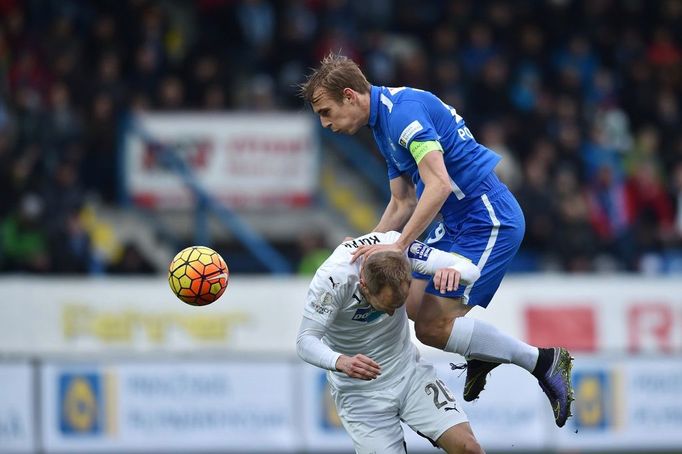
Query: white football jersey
x,y
352,325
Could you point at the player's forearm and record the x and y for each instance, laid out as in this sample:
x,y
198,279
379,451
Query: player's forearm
x,y
310,347
436,259
429,204
396,215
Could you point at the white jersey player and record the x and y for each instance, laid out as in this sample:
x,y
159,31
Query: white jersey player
x,y
355,325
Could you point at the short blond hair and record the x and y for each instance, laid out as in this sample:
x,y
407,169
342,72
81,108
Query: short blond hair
x,y
387,268
335,73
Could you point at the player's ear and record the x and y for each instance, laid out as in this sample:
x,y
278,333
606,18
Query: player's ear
x,y
348,95
363,286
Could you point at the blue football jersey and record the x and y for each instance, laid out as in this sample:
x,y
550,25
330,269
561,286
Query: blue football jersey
x,y
402,117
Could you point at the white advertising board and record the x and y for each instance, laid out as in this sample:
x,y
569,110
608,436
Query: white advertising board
x,y
72,317
241,159
591,314
622,403
163,407
612,315
16,408
627,404
322,429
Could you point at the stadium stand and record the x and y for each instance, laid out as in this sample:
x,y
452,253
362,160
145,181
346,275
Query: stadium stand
x,y
582,98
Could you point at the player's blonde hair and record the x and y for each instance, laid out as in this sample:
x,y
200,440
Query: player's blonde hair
x,y
387,268
335,73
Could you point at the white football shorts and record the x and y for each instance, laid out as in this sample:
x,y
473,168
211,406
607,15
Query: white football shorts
x,y
419,398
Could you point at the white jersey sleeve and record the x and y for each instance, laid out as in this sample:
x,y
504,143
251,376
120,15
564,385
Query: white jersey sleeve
x,y
427,260
310,347
327,293
329,290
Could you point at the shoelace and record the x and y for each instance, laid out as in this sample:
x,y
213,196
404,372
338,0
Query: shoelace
x,y
461,367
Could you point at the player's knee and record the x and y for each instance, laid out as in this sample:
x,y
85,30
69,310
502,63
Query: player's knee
x,y
471,446
433,332
463,444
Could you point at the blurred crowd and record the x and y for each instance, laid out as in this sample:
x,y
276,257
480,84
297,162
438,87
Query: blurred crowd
x,y
582,98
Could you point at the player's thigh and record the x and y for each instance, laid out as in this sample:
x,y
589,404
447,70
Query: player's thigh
x,y
371,420
429,406
434,307
459,439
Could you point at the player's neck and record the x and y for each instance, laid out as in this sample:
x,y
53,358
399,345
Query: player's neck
x,y
364,104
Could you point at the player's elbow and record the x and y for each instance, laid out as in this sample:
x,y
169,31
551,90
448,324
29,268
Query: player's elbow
x,y
405,204
300,347
441,188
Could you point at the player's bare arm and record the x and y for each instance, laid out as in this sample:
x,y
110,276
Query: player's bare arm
x,y
358,366
397,213
400,207
436,190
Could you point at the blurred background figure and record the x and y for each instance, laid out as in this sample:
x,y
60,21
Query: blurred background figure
x,y
604,96
131,129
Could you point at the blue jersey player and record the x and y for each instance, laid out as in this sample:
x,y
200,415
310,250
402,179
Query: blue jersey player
x,y
435,166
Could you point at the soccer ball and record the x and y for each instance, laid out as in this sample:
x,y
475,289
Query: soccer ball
x,y
198,275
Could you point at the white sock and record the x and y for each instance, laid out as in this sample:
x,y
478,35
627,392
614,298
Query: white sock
x,y
477,339
460,336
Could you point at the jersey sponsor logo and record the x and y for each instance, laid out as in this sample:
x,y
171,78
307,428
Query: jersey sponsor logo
x,y
321,306
367,315
419,251
409,132
356,243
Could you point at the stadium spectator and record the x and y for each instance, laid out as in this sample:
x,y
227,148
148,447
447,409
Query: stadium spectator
x,y
545,71
131,261
23,241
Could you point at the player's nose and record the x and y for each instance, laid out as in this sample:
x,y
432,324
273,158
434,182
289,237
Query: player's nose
x,y
325,124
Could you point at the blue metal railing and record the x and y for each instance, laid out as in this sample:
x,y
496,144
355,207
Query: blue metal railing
x,y
255,243
361,159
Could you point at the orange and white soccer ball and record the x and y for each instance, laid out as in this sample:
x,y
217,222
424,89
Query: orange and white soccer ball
x,y
198,275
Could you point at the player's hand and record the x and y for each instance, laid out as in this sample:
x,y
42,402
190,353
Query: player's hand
x,y
358,366
366,251
446,279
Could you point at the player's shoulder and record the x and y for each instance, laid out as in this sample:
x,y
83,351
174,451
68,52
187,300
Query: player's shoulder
x,y
406,97
340,258
410,105
335,274
369,239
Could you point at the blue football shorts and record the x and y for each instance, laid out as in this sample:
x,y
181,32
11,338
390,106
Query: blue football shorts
x,y
488,230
